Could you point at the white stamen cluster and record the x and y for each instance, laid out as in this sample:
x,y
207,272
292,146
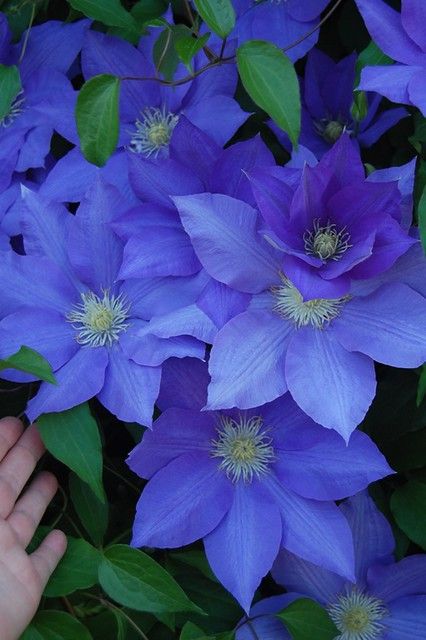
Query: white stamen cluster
x,y
244,446
289,303
14,111
326,242
357,615
99,321
153,131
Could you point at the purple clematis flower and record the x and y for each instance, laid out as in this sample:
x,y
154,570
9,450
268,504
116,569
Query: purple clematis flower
x,y
64,300
149,111
263,622
319,347
279,21
402,37
327,98
387,601
46,101
248,483
337,224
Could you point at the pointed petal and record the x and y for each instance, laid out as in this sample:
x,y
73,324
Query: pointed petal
x,y
391,81
207,113
404,578
244,545
388,325
182,502
407,619
184,384
341,385
247,361
416,90
221,303
413,17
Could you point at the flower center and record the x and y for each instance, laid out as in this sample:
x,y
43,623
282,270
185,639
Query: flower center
x,y
290,304
153,131
244,446
99,321
15,110
326,242
357,615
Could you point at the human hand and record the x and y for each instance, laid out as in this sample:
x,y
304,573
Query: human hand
x,y
23,576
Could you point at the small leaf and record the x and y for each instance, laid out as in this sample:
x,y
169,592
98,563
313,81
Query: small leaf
x,y
10,86
165,54
55,625
408,507
219,15
187,47
73,438
135,580
29,361
271,81
305,619
97,115
370,57
109,12
92,512
78,569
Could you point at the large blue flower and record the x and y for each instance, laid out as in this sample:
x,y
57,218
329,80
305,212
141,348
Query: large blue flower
x,y
64,300
246,482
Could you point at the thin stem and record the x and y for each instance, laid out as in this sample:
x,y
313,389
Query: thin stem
x,y
64,507
69,606
163,53
119,537
318,26
122,478
110,605
27,34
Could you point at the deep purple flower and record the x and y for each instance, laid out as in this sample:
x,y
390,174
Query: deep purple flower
x,y
319,347
149,111
327,98
64,300
337,224
47,99
402,37
387,601
279,21
248,483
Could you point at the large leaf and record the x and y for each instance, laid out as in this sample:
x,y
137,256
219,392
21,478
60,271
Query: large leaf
x,y
135,580
218,14
305,619
271,81
10,86
92,512
408,507
110,12
97,115
55,625
78,569
29,361
73,438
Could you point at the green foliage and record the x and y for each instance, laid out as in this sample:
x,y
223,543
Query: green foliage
x,y
10,86
219,15
78,569
29,361
97,117
421,213
55,625
421,388
135,580
408,507
92,512
371,56
305,619
270,80
187,47
73,438
110,12
165,53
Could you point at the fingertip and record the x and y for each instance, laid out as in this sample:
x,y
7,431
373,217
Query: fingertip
x,y
57,541
11,428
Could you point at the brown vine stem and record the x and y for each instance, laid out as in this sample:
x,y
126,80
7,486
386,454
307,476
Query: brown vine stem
x,y
219,61
27,35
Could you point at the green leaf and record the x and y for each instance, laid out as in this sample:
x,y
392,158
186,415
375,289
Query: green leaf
x,y
218,14
78,569
165,55
408,507
10,86
421,213
29,361
305,619
421,388
73,438
55,625
271,81
359,106
135,580
190,631
370,57
109,12
97,115
187,47
92,512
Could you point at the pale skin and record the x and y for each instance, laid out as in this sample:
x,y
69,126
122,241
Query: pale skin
x,y
23,576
